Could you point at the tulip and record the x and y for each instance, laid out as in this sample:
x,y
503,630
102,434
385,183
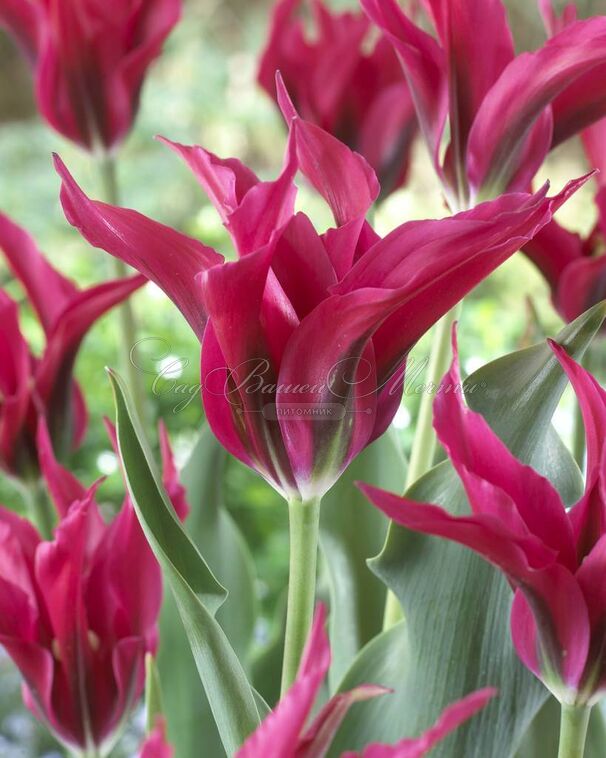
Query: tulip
x,y
554,559
339,79
304,337
90,60
286,731
79,612
574,266
299,314
505,112
34,387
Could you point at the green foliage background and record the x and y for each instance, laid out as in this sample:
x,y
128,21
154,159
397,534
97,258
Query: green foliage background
x,y
203,91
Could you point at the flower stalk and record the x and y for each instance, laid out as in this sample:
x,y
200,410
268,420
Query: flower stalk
x,y
304,521
39,507
573,730
126,315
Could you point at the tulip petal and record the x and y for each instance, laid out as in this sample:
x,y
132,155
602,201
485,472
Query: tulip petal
x,y
302,265
513,553
553,23
22,20
552,249
326,401
580,105
48,291
170,475
590,578
53,373
140,597
343,178
156,744
320,734
238,374
251,210
279,733
553,603
438,262
478,45
424,66
387,135
592,399
594,144
62,485
155,22
581,285
226,181
483,462
15,381
166,257
452,717
527,86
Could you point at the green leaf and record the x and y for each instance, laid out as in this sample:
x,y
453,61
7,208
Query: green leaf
x,y
218,538
351,531
211,528
456,638
197,593
153,693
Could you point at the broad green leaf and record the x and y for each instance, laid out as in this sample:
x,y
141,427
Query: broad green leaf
x,y
267,663
351,531
218,538
211,528
455,637
197,593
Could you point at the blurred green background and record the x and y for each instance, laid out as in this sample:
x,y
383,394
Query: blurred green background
x,y
203,91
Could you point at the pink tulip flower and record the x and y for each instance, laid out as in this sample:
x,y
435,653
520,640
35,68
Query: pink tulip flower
x,y
78,613
505,112
554,559
32,387
287,733
89,60
353,88
304,337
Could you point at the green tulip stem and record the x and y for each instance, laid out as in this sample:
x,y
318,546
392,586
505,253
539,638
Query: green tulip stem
x,y
425,444
573,731
39,507
127,320
304,521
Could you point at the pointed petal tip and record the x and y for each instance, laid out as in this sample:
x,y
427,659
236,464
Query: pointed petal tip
x,y
284,100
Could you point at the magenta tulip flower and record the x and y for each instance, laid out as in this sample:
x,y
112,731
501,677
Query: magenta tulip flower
x,y
78,613
90,60
287,732
573,266
305,335
504,112
33,387
339,79
554,559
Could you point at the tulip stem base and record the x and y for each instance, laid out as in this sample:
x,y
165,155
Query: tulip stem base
x,y
573,731
424,444
128,324
304,524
